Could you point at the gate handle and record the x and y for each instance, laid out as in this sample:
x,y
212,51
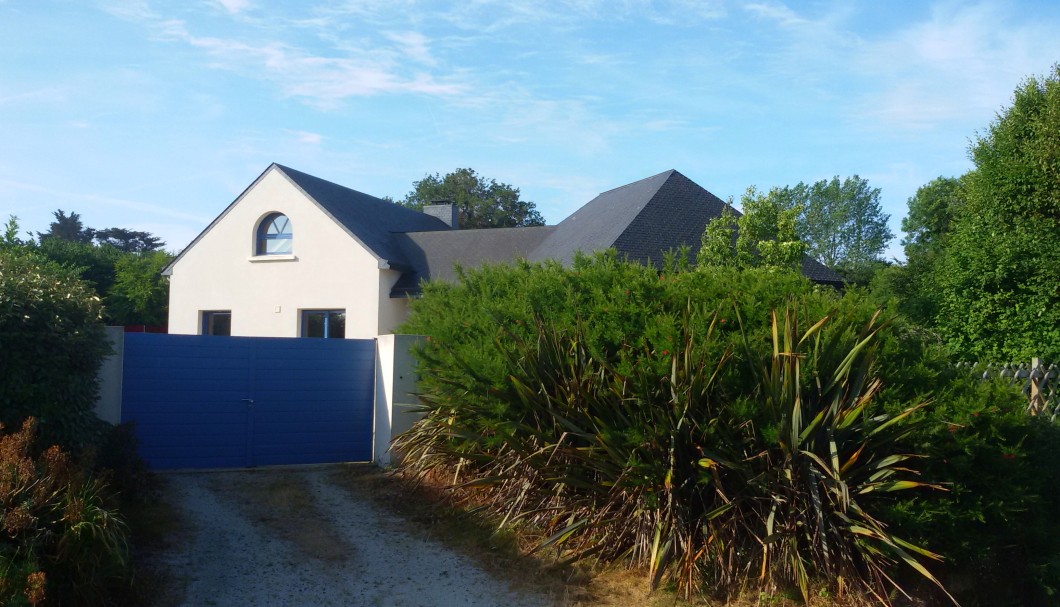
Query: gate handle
x,y
248,401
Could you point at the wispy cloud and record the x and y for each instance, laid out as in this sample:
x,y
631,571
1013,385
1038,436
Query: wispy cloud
x,y
777,12
964,61
414,46
307,137
36,96
364,68
235,6
135,205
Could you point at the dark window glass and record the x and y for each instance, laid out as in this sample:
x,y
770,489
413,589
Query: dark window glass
x,y
324,323
216,323
274,235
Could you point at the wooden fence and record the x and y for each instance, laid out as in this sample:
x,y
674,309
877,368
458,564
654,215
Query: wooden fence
x,y
1040,383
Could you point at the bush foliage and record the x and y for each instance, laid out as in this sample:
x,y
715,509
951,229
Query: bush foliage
x,y
52,343
670,419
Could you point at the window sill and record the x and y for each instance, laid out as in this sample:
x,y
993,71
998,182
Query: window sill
x,y
270,258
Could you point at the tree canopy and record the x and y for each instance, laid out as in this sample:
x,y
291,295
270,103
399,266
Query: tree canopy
x,y
930,217
483,202
841,221
122,266
765,235
68,228
998,280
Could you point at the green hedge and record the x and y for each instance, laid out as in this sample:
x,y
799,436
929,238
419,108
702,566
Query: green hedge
x,y
629,322
52,343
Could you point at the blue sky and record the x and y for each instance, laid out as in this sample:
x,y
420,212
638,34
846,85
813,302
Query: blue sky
x,y
155,115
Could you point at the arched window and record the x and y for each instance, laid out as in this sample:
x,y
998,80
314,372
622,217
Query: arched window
x,y
274,235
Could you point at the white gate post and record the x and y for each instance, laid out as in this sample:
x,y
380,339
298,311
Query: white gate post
x,y
395,392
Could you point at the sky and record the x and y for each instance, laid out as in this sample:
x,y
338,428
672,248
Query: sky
x,y
155,115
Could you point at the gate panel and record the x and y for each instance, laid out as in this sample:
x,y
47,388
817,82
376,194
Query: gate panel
x,y
216,402
313,401
184,393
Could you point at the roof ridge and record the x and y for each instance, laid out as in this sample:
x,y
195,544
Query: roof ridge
x,y
633,183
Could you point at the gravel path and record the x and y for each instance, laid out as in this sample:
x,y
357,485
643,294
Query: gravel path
x,y
343,551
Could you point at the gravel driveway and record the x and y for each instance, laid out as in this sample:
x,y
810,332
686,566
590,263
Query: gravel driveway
x,y
297,537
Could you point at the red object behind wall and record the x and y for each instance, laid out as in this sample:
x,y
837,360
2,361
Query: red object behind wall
x,y
146,328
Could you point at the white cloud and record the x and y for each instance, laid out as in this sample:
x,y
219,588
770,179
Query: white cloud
x,y
414,46
776,11
235,6
962,63
307,137
322,80
134,205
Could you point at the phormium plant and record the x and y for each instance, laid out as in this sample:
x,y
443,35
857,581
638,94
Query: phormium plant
x,y
687,448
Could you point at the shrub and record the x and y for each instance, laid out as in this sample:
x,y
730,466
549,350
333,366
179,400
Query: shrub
x,y
60,542
669,419
51,346
997,523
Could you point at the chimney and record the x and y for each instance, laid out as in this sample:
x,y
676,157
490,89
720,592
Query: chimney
x,y
444,210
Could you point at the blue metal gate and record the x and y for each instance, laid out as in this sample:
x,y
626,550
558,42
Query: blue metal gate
x,y
216,402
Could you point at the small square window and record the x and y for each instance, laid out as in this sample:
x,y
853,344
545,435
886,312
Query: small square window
x,y
217,322
324,323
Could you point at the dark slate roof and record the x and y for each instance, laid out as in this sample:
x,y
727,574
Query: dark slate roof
x,y
370,220
436,254
598,224
646,219
642,220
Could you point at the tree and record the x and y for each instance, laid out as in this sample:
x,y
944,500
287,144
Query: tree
x,y
10,238
841,222
765,235
140,294
930,217
999,279
68,228
128,241
483,203
928,227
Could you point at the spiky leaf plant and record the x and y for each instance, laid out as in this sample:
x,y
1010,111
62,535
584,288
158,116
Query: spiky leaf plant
x,y
675,465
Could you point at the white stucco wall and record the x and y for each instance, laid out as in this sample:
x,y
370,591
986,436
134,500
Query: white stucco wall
x,y
328,269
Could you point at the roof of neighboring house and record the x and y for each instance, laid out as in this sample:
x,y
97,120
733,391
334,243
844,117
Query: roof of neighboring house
x,y
642,220
435,255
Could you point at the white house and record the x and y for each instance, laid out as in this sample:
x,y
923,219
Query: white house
x,y
297,256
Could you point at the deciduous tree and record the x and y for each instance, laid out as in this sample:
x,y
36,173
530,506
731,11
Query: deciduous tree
x,y
765,235
483,203
1000,284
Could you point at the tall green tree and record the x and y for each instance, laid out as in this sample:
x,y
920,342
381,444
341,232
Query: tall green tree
x,y
930,218
928,227
765,235
140,294
68,228
128,241
483,203
841,221
1000,283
